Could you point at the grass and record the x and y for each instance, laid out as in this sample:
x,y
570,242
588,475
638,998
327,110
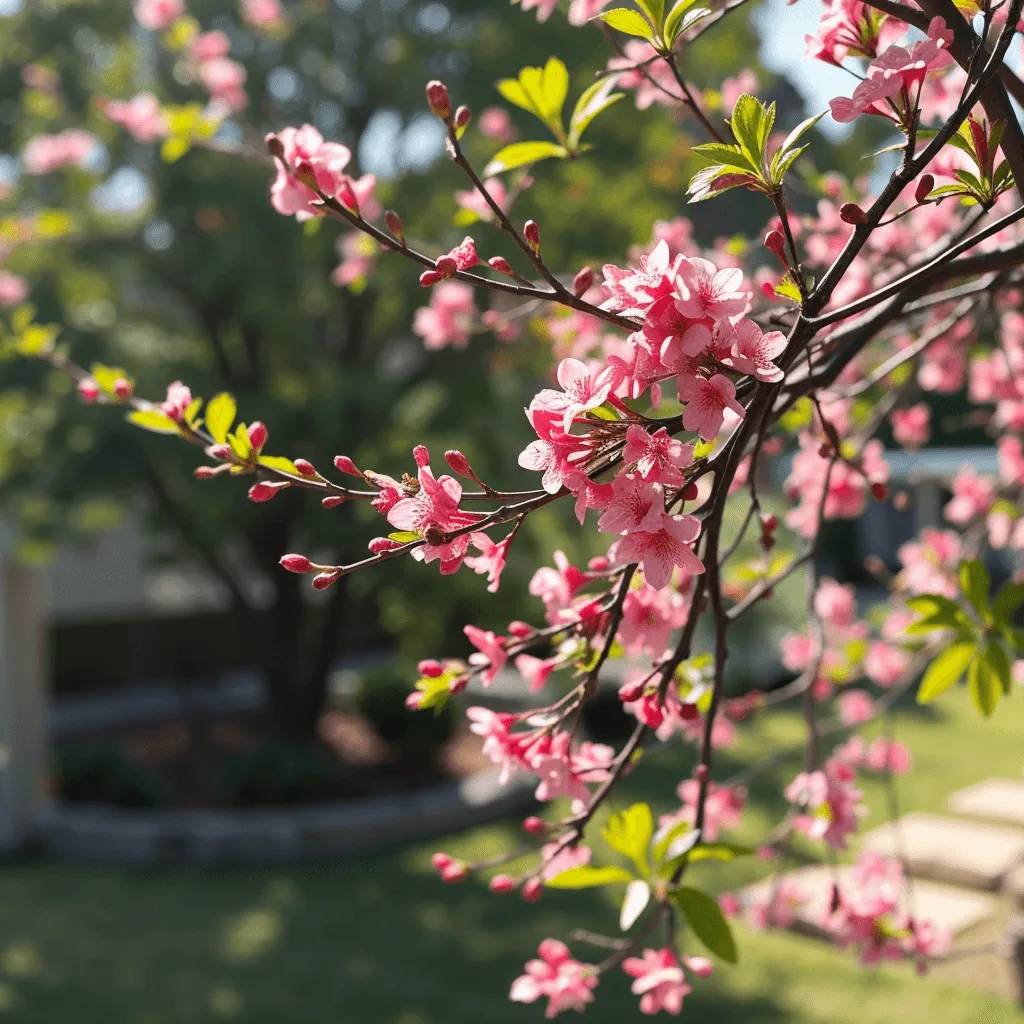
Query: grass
x,y
375,940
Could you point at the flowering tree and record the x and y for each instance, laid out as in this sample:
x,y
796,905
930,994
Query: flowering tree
x,y
678,377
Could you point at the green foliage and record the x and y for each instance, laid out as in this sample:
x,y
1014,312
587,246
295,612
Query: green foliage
x,y
105,775
652,24
988,181
277,771
629,833
705,917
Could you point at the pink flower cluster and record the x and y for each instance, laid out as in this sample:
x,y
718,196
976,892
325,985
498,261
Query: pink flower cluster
x,y
44,154
828,804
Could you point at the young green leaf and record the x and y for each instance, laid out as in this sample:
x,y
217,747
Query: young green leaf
x,y
638,895
629,833
719,851
1009,598
998,664
751,124
975,582
586,876
278,462
800,130
984,685
594,100
654,9
945,670
629,22
154,420
707,921
519,154
674,22
220,414
937,612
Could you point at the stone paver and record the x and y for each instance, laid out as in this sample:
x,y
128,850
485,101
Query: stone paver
x,y
996,800
955,909
964,853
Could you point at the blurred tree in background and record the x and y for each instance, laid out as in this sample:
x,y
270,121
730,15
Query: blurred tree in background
x,y
183,270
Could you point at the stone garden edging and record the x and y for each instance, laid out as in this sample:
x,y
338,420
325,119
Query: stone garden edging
x,y
112,835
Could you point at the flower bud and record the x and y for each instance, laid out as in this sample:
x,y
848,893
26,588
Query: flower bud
x,y
306,175
88,389
630,692
531,232
258,434
599,563
204,472
534,825
691,492
296,563
462,117
699,965
430,667
769,523
264,490
394,223
381,544
701,772
439,100
219,451
776,244
458,684
582,282
347,197
500,264
123,388
458,463
901,501
325,579
501,884
421,454
305,467
441,861
879,491
851,213
924,185
532,890
343,464
275,146
333,500
414,700
520,629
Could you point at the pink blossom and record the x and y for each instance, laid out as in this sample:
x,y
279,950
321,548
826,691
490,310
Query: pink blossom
x,y
305,147
830,802
566,983
705,407
536,670
499,743
930,563
797,649
972,496
835,603
1011,461
555,453
157,15
13,289
910,426
224,79
178,399
581,11
263,14
709,292
661,543
140,116
754,353
209,46
359,254
885,755
492,558
584,389
660,981
44,154
543,7
490,652
778,907
856,707
658,457
722,807
884,664
557,586
432,512
448,320
649,617
495,123
557,857
473,199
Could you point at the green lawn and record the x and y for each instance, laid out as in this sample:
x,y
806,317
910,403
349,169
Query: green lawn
x,y
376,940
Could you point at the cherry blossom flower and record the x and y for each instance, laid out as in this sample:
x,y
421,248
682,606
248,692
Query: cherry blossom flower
x,y
660,981
178,399
972,496
224,79
566,983
448,320
832,801
495,123
856,707
490,652
305,147
658,457
581,11
722,808
709,292
884,664
265,15
157,15
888,756
778,906
140,116
705,407
835,602
491,560
544,8
910,426
557,857
44,154
661,543
536,670
13,288
473,199
755,353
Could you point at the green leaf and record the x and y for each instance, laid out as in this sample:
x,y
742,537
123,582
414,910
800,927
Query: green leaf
x,y
800,130
937,612
787,289
945,670
518,154
654,9
634,902
404,536
975,583
554,88
541,91
220,414
586,876
674,25
239,442
278,462
174,148
154,420
719,851
1009,598
729,157
994,656
751,123
983,683
628,21
594,100
664,838
707,921
781,163
629,833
